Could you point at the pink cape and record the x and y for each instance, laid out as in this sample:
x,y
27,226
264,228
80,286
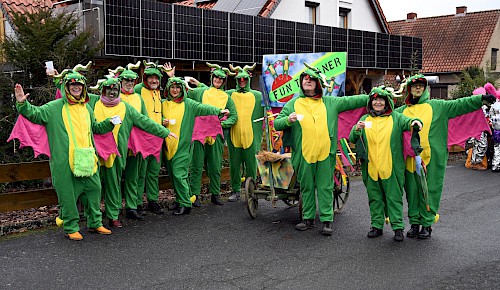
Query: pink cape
x,y
30,135
347,120
105,145
206,126
145,143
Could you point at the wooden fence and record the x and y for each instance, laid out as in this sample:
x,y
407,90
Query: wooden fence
x,y
18,200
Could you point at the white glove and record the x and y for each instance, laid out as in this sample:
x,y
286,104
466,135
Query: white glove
x,y
116,120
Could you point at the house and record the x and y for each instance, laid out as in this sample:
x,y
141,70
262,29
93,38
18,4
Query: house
x,y
8,7
241,32
452,43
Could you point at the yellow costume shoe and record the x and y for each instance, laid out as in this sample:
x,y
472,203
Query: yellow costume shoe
x,y
76,236
436,218
100,230
387,220
59,222
192,198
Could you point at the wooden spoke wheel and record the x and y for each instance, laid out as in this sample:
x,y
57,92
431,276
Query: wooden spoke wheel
x,y
291,202
251,200
340,192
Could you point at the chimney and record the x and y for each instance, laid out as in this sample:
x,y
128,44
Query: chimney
x,y
461,10
411,16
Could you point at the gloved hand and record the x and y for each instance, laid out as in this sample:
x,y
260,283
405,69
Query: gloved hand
x,y
418,161
490,99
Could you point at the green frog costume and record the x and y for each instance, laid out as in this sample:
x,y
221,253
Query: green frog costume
x,y
211,149
112,168
435,115
181,113
245,136
314,146
70,124
380,149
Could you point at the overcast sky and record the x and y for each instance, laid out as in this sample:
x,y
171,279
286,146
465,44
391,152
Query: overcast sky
x,y
397,9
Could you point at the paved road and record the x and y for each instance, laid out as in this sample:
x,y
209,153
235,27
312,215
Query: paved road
x,y
222,248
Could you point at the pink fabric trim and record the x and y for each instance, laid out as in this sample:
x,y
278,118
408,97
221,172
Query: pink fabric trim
x,y
31,135
105,145
465,126
347,120
206,126
145,143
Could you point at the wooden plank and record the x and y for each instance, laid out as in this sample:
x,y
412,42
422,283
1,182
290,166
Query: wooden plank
x,y
24,171
165,182
27,199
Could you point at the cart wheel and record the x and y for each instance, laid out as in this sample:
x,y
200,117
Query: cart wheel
x,y
291,203
340,193
250,199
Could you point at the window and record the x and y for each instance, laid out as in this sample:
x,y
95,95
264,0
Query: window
x,y
312,12
439,92
344,18
494,58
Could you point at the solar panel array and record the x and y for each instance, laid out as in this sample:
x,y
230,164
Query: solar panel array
x,y
152,29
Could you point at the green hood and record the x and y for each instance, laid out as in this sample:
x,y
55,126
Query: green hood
x,y
407,91
243,73
110,82
221,72
314,74
380,92
128,74
74,77
178,81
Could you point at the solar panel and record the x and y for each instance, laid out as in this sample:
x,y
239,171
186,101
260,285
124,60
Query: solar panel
x,y
382,50
339,39
369,49
285,37
156,30
264,37
305,38
122,28
395,51
241,38
323,39
215,35
355,48
188,30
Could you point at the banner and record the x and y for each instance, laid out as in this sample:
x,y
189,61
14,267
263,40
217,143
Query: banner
x,y
281,74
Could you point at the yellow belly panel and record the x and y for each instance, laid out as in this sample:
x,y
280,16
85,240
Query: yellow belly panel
x,y
379,142
173,111
102,112
424,113
241,132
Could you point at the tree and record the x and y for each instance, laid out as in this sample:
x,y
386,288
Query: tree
x,y
472,77
41,35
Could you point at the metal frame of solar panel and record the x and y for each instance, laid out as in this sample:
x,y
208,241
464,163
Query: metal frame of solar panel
x,y
144,29
241,38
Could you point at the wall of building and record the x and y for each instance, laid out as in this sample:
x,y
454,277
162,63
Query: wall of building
x,y
361,17
494,43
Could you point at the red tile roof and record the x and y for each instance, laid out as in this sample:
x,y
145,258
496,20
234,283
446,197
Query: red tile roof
x,y
381,19
204,5
453,42
23,6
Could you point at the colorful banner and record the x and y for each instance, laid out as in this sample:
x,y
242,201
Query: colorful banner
x,y
281,74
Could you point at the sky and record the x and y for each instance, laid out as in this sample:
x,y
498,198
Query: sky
x,y
397,9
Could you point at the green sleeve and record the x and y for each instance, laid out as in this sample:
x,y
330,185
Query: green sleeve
x,y
354,135
281,122
102,127
38,115
138,88
196,94
143,107
461,106
350,102
146,124
233,116
93,98
203,109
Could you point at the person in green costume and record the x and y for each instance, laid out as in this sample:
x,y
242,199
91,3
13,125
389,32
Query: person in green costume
x,y
179,114
435,115
212,149
133,196
108,106
314,144
70,124
149,90
378,136
245,136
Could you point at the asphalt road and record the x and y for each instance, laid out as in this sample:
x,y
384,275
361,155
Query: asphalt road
x,y
223,248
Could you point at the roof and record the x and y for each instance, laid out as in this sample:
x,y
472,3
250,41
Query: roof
x,y
199,4
21,6
262,8
451,43
382,21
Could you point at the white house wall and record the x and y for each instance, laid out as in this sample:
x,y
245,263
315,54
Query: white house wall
x,y
361,17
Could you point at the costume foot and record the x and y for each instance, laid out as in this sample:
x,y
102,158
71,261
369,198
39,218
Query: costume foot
x,y
133,215
154,207
115,223
398,236
100,230
140,209
305,225
374,232
234,197
182,210
327,229
76,236
173,206
425,233
413,232
216,200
